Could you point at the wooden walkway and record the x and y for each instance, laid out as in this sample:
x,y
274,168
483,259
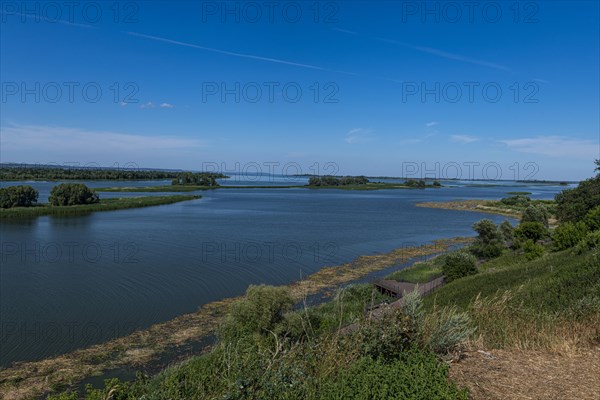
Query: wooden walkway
x,y
396,289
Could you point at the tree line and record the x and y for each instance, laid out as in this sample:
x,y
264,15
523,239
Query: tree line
x,y
60,173
328,180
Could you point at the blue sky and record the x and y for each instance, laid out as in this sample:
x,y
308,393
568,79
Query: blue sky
x,y
376,88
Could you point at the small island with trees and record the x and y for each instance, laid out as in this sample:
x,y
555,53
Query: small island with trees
x,y
71,199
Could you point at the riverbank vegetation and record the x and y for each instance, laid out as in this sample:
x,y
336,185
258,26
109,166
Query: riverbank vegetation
x,y
101,205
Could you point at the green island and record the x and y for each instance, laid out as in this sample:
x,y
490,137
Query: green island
x,y
103,205
72,199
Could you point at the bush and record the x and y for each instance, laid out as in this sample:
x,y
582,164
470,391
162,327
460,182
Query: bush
x,y
70,194
417,375
490,242
507,231
530,231
573,204
533,250
459,264
568,234
518,200
18,196
258,313
536,213
592,219
591,241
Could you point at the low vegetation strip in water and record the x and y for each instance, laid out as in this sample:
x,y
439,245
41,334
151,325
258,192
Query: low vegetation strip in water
x,y
103,205
29,379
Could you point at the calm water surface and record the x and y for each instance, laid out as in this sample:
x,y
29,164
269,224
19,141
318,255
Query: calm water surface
x,y
68,282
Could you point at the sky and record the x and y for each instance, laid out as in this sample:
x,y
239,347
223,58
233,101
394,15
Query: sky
x,y
471,90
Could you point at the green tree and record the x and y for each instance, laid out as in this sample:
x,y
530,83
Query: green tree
x,y
568,234
489,242
69,194
18,196
459,264
592,219
536,213
530,231
573,204
507,231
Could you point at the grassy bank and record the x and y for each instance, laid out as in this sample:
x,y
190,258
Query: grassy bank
x,y
550,303
103,205
29,379
420,272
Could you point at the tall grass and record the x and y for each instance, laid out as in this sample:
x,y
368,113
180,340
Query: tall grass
x,y
103,205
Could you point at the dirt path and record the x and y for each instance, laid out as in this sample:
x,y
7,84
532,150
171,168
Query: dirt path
x,y
516,374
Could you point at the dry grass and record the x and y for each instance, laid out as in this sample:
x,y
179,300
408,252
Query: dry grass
x,y
527,374
482,206
30,379
502,324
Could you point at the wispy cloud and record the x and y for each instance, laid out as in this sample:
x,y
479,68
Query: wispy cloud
x,y
147,105
166,105
556,146
431,124
226,52
349,32
359,135
436,52
463,138
32,143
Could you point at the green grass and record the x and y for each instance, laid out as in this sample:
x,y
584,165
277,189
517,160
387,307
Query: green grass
x,y
519,193
420,272
552,302
552,283
103,205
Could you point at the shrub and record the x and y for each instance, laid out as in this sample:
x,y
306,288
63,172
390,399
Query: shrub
x,y
507,231
487,230
69,194
490,242
530,231
573,204
487,251
518,200
450,329
259,312
533,250
592,219
568,234
536,213
459,264
591,241
417,375
18,196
